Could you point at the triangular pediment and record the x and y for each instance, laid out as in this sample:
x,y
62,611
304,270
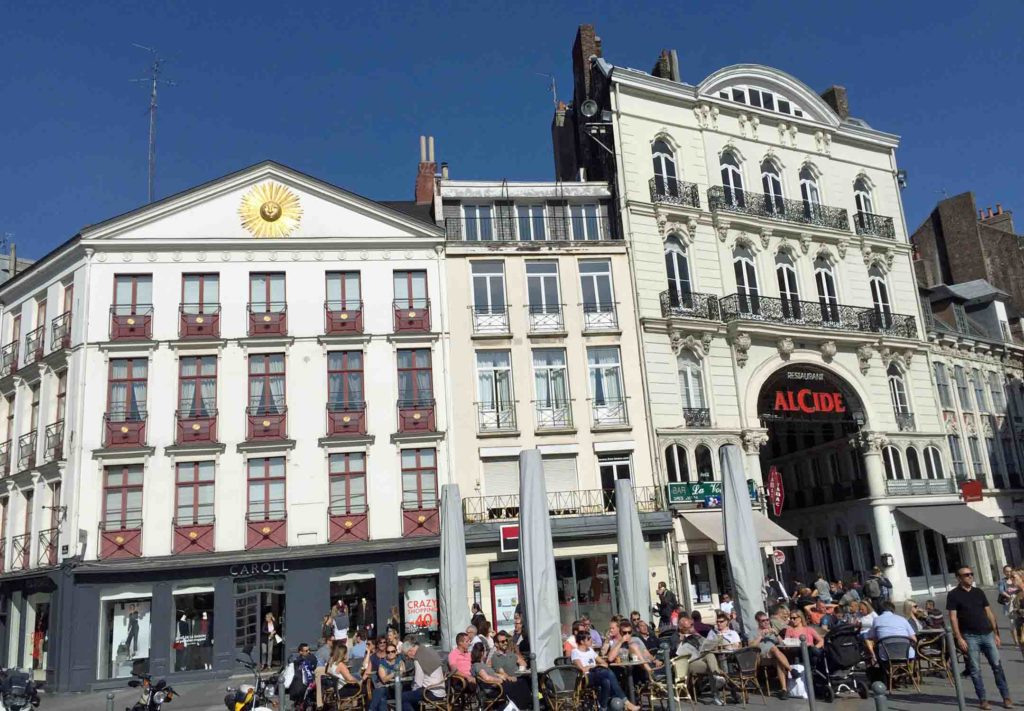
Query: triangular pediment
x,y
267,201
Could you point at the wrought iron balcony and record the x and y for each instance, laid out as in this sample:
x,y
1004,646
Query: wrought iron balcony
x,y
5,458
588,502
905,421
53,445
697,416
777,208
124,428
21,551
8,359
27,451
343,316
689,304
346,418
266,422
131,322
496,417
599,317
46,554
545,318
866,223
490,320
511,228
416,415
196,424
553,414
675,192
919,487
412,315
268,318
34,345
199,321
609,412
833,316
60,331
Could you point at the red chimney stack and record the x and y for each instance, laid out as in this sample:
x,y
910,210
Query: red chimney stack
x,y
426,172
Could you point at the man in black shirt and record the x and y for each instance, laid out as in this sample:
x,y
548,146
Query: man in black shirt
x,y
976,632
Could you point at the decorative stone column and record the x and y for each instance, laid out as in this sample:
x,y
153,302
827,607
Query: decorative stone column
x,y
753,440
884,529
871,445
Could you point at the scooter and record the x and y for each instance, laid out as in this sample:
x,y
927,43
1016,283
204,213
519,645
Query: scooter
x,y
154,695
261,695
17,691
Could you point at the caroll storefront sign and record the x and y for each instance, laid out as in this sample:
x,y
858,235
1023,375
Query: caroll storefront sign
x,y
268,568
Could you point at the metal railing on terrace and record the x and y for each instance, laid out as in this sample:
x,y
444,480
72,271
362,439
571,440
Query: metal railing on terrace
x,y
689,304
830,315
587,502
774,207
513,228
675,192
919,487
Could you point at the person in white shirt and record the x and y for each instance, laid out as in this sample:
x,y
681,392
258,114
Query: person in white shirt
x,y
726,605
601,677
722,635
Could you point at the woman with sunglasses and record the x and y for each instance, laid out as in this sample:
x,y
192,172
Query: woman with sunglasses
x,y
799,630
374,658
723,635
389,667
767,640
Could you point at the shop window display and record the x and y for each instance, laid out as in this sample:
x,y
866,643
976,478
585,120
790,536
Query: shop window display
x,y
354,600
193,630
126,634
419,607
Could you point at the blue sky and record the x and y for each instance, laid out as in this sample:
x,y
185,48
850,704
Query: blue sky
x,y
343,92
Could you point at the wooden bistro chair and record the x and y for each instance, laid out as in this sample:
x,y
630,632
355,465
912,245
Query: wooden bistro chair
x,y
431,702
490,696
896,651
744,677
681,687
933,657
563,688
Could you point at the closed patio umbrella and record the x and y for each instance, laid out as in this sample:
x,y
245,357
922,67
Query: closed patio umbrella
x,y
634,572
741,547
453,593
537,580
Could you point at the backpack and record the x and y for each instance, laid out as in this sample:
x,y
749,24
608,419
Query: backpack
x,y
873,588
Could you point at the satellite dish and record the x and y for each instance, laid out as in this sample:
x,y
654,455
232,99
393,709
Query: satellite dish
x,y
589,108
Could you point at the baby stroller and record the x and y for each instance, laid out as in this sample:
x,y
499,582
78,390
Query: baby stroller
x,y
841,668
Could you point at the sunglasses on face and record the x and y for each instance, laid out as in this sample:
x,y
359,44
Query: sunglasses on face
x,y
392,651
966,575
794,618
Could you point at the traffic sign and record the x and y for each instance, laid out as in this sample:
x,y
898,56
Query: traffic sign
x,y
776,492
778,556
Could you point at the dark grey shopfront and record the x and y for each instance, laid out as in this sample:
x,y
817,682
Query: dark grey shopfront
x,y
187,617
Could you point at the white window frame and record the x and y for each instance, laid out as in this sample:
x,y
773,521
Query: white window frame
x,y
691,380
745,271
810,192
933,463
585,222
609,406
479,223
549,411
862,197
495,411
598,315
677,266
898,391
828,291
528,217
489,317
771,185
732,179
544,315
665,171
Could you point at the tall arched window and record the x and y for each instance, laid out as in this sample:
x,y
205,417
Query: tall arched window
x,y
828,297
678,468
691,381
898,396
913,463
732,181
771,182
677,267
893,463
746,281
933,463
789,292
809,191
862,196
705,468
880,297
664,168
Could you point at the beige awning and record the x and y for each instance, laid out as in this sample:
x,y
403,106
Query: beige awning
x,y
703,527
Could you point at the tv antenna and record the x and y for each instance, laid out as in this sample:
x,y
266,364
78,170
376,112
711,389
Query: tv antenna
x,y
551,86
154,79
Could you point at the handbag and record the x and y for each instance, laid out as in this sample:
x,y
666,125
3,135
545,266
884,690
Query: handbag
x,y
277,639
796,688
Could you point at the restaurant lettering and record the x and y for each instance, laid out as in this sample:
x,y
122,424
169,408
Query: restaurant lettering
x,y
808,401
258,569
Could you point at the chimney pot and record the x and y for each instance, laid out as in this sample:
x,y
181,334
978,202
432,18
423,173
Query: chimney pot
x,y
999,208
423,149
430,149
981,214
988,212
444,171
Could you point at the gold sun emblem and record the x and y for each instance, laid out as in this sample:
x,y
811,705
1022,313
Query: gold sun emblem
x,y
270,210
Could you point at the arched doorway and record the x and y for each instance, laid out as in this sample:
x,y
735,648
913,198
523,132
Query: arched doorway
x,y
813,416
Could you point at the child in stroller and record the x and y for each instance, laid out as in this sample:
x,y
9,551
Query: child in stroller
x,y
841,669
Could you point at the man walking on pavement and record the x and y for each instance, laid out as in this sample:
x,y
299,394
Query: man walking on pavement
x,y
976,633
666,604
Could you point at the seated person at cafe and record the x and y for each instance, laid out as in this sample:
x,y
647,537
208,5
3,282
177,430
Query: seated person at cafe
x,y
601,677
700,627
569,643
638,652
702,662
889,624
649,639
933,616
508,664
820,614
492,682
723,636
779,615
460,660
428,674
798,630
767,640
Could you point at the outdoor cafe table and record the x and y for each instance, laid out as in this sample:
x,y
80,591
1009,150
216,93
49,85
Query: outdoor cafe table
x,y
628,667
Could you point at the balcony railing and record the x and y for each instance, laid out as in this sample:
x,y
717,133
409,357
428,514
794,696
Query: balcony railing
x,y
587,502
60,331
46,554
348,522
599,317
193,534
490,320
420,519
905,421
268,528
268,318
53,445
131,322
416,415
343,317
121,538
196,424
199,321
827,315
266,422
34,345
552,415
21,551
919,487
609,412
8,359
697,416
346,418
125,428
511,228
5,458
866,223
496,418
412,315
27,451
675,192
778,208
689,304
545,318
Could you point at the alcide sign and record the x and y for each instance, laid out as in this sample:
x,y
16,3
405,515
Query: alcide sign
x,y
809,402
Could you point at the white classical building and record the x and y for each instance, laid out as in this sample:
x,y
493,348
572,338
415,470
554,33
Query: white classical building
x,y
777,306
226,403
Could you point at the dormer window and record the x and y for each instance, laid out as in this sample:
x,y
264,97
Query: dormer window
x,y
761,99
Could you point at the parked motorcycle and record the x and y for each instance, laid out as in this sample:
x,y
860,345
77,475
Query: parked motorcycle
x,y
261,695
17,691
154,695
